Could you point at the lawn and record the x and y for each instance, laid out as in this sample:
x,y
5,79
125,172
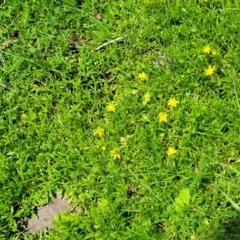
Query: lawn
x,y
130,109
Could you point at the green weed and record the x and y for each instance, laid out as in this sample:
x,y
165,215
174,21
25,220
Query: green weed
x,y
130,108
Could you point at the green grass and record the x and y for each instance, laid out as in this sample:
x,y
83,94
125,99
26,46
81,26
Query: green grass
x,y
53,96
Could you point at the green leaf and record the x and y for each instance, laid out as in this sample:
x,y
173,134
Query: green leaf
x,y
179,201
185,196
183,199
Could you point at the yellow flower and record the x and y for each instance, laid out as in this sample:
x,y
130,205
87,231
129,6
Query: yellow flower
x,y
115,154
103,148
162,117
206,49
98,131
192,238
210,70
172,102
171,151
111,107
143,76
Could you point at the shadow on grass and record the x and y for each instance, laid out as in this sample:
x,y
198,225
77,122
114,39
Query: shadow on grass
x,y
229,230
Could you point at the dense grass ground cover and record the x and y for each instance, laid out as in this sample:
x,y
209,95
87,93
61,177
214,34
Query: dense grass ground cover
x,y
142,134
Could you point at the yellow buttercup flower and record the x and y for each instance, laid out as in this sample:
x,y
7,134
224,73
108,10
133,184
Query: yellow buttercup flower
x,y
143,76
115,154
98,131
162,116
171,151
210,70
111,107
172,102
206,49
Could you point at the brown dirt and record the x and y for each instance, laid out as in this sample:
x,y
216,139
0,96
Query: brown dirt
x,y
46,214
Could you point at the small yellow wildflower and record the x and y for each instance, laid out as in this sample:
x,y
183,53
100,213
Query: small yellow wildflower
x,y
171,151
143,76
172,102
98,131
103,148
115,154
111,107
210,70
162,117
192,238
206,49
